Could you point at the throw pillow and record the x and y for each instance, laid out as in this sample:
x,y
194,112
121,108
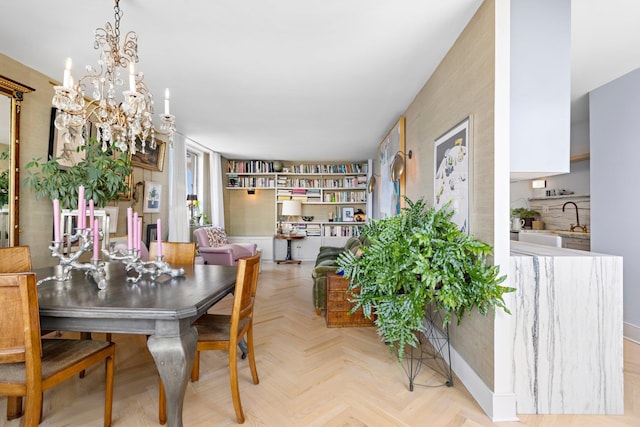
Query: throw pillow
x,y
217,237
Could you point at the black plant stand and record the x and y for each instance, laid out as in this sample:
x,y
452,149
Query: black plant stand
x,y
434,352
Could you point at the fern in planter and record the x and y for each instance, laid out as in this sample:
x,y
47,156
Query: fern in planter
x,y
416,258
103,174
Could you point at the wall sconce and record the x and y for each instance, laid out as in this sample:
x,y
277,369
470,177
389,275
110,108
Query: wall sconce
x,y
538,183
371,185
251,191
397,164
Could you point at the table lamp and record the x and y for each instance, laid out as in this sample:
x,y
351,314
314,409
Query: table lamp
x,y
290,210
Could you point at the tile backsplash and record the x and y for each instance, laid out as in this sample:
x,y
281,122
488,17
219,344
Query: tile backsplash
x,y
551,214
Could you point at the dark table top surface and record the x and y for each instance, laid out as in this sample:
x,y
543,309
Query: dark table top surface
x,y
166,298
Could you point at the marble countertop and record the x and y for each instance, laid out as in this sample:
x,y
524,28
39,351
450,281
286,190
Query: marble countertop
x,y
563,233
531,249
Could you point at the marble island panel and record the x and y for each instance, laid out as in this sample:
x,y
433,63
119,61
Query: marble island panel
x,y
566,329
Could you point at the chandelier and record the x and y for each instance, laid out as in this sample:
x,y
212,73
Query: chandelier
x,y
120,121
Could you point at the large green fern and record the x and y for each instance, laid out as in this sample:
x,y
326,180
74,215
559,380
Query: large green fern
x,y
414,259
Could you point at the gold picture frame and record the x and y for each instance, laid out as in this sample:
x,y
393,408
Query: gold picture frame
x,y
151,159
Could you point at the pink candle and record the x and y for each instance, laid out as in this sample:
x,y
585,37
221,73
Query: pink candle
x,y
96,240
134,229
91,212
56,220
81,218
159,225
139,234
129,228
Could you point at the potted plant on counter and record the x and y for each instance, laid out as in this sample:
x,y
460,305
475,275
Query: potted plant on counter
x,y
103,174
416,258
528,215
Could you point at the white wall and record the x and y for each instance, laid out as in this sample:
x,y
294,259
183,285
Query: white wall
x,y
614,130
540,87
578,180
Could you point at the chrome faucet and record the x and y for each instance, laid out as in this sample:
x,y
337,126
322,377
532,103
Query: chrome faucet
x,y
576,226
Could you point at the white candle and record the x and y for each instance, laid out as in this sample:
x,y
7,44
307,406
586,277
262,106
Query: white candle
x,y
66,81
96,240
134,229
166,102
132,77
159,225
129,228
56,220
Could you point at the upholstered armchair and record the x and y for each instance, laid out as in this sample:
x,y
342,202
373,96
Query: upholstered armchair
x,y
326,263
214,247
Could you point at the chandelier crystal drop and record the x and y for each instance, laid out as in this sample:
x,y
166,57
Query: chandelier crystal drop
x,y
120,121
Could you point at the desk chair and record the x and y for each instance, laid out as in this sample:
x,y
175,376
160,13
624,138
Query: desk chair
x,y
30,365
224,332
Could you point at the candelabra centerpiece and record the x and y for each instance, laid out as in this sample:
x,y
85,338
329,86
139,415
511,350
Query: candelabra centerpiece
x,y
131,257
87,236
120,120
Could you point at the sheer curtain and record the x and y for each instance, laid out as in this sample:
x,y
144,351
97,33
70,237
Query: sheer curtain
x,y
217,203
178,211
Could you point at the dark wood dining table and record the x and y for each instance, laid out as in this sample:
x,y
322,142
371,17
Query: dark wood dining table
x,y
164,310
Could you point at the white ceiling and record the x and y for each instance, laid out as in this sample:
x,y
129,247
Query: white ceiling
x,y
292,79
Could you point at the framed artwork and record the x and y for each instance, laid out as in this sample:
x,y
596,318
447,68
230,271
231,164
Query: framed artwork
x,y
64,145
152,234
347,214
451,181
151,159
388,194
152,197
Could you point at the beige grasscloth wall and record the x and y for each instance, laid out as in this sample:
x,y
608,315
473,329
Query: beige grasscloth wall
x,y
462,85
36,220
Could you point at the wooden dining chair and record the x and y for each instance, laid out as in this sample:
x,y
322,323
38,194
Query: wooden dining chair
x,y
30,365
224,332
174,252
15,259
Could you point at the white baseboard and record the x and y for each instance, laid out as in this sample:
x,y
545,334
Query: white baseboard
x,y
498,407
631,332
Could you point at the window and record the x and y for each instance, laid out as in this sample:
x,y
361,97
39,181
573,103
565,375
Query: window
x,y
195,185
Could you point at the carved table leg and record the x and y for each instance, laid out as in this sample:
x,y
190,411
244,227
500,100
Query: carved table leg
x,y
174,360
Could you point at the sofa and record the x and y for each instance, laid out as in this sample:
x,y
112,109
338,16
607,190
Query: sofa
x,y
214,247
326,262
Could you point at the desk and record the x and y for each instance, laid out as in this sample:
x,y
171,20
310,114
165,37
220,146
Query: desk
x,y
288,237
164,310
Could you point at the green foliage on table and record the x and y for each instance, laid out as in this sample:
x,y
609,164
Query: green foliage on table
x,y
102,173
416,258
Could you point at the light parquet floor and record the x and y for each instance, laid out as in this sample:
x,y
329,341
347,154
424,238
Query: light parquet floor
x,y
310,375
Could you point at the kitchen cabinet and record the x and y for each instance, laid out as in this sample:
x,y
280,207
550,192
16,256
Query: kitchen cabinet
x,y
580,244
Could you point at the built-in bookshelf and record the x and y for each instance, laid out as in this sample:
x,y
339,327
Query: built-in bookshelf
x,y
323,189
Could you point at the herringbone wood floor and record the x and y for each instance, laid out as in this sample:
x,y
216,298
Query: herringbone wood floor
x,y
309,376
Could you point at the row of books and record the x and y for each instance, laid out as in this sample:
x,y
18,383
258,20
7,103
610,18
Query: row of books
x,y
249,181
340,168
315,230
345,197
346,182
262,166
250,166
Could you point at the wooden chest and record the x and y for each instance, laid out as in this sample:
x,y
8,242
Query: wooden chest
x,y
338,305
